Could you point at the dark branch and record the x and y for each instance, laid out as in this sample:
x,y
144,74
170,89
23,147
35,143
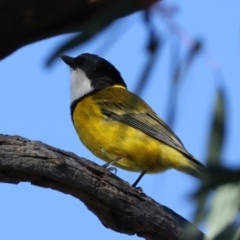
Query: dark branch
x,y
26,21
117,204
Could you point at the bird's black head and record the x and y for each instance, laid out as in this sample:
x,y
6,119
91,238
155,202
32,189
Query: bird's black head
x,y
91,73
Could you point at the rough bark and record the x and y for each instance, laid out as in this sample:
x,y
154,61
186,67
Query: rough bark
x,y
26,21
117,204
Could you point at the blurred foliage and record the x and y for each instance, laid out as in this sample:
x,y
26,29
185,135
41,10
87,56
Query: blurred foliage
x,y
95,25
223,209
218,129
154,44
219,208
180,69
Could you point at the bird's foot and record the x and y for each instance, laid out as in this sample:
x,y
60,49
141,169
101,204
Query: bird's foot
x,y
139,189
112,169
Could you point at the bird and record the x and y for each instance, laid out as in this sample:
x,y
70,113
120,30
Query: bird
x,y
118,126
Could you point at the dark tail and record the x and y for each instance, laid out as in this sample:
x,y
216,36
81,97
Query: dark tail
x,y
196,169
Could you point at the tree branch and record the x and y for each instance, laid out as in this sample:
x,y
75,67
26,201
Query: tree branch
x,y
117,204
26,21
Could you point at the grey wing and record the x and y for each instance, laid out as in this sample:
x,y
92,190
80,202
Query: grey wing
x,y
147,122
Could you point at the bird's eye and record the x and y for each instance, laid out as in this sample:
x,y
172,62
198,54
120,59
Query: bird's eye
x,y
97,71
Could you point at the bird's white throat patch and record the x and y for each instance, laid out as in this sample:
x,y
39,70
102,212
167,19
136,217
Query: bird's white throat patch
x,y
80,84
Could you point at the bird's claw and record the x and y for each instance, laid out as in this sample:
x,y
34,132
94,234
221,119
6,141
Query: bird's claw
x,y
112,169
139,189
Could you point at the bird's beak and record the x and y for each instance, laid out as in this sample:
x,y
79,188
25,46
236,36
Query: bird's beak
x,y
69,61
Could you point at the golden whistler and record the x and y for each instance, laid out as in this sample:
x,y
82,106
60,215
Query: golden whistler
x,y
115,124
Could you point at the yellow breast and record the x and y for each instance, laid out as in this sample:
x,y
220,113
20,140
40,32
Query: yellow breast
x,y
109,139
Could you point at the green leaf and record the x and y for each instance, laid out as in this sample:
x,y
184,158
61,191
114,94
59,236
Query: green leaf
x,y
228,233
216,176
218,130
212,178
237,234
224,208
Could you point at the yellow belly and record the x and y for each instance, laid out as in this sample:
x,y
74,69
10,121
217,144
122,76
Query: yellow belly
x,y
109,139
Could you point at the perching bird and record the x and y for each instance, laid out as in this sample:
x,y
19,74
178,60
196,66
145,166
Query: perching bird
x,y
118,126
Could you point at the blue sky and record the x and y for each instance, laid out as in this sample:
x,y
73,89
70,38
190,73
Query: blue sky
x,y
34,103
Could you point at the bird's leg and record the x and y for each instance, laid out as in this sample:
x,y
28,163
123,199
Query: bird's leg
x,y
139,178
112,162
